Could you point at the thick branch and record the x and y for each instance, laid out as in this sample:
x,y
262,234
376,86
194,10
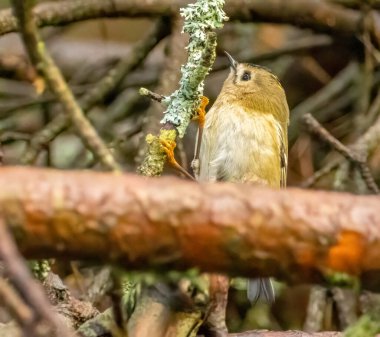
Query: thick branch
x,y
141,223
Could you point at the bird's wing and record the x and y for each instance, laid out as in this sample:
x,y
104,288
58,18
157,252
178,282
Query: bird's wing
x,y
284,164
208,149
284,151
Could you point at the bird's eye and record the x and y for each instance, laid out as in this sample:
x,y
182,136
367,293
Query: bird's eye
x,y
246,76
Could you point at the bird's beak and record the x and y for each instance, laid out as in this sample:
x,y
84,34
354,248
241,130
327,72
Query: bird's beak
x,y
233,63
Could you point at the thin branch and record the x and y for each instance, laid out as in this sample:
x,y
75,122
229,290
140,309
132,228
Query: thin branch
x,y
301,45
27,286
365,145
152,95
336,86
312,180
356,158
17,307
52,75
317,129
99,91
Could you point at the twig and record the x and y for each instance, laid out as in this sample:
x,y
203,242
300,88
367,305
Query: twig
x,y
28,287
322,97
46,66
313,126
12,301
97,94
154,96
312,180
367,143
304,44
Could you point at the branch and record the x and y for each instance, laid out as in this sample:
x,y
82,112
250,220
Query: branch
x,y
169,223
29,288
201,18
16,306
152,95
100,90
52,75
365,146
356,158
322,98
317,15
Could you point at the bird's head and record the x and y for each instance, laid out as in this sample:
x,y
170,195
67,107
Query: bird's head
x,y
253,86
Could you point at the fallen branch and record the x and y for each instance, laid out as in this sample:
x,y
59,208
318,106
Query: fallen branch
x,y
168,223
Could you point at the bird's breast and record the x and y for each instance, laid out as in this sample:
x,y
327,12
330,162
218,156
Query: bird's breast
x,y
247,146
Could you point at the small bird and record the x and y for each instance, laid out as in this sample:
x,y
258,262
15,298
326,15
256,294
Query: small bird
x,y
245,139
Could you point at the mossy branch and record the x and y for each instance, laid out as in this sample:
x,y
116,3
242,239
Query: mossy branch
x,y
201,18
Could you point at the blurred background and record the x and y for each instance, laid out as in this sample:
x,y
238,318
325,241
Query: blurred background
x,y
334,76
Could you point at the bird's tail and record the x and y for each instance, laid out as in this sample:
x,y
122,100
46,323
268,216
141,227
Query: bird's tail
x,y
260,287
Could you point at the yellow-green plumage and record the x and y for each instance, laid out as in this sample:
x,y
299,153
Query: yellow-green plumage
x,y
245,134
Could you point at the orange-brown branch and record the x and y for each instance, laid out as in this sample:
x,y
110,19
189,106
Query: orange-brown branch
x,y
295,235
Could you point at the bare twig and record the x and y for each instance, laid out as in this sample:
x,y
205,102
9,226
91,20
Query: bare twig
x,y
301,45
350,154
152,95
365,144
312,180
28,287
98,93
320,99
46,66
17,307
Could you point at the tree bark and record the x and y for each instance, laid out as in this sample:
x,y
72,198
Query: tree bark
x,y
168,223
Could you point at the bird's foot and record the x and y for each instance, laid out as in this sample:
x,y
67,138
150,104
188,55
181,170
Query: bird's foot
x,y
201,111
168,147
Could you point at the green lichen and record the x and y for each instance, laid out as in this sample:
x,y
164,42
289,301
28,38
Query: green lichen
x,y
40,268
200,19
340,279
367,326
154,161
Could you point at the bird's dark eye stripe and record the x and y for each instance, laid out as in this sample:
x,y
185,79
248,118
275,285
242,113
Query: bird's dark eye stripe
x,y
246,76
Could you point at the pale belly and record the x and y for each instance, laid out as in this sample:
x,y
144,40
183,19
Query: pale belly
x,y
246,149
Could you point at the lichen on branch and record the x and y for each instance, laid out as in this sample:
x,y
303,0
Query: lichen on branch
x,y
201,18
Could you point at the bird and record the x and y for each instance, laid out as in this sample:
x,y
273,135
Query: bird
x,y
244,140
